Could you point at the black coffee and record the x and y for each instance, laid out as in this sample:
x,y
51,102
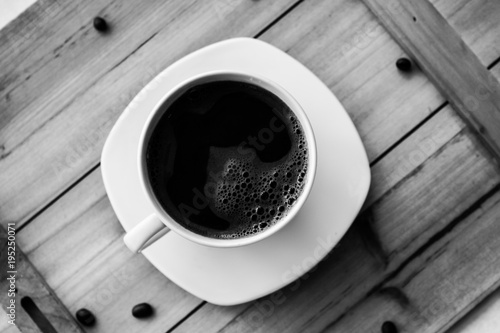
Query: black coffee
x,y
227,159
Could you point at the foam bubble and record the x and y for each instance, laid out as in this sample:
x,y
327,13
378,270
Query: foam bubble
x,y
254,195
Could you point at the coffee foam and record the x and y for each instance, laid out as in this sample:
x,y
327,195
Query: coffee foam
x,y
251,194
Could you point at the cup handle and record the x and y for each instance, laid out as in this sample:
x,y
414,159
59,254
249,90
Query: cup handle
x,y
145,233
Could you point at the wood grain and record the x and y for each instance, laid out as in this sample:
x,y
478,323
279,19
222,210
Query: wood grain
x,y
413,152
439,285
477,23
482,318
426,35
27,282
5,327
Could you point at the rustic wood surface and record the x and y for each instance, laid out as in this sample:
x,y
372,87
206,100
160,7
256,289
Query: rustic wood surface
x,y
438,49
420,254
476,21
29,283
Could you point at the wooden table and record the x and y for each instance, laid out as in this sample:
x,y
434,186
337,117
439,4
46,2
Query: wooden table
x,y
424,251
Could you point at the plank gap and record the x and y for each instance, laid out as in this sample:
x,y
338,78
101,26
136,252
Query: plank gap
x,y
438,235
36,315
493,64
60,195
186,317
426,119
276,20
131,53
408,134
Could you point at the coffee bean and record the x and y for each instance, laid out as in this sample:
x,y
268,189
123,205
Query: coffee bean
x,y
100,24
142,310
85,317
404,64
389,327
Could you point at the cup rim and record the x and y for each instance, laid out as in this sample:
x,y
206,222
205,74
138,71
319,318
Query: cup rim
x,y
211,76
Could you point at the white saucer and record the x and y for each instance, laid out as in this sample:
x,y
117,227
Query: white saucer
x,y
236,275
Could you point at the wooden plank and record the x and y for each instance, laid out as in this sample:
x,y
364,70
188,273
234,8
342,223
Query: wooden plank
x,y
477,23
482,318
410,154
5,327
63,84
77,244
20,281
423,32
442,283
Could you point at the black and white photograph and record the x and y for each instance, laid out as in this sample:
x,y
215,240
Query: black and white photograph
x,y
241,166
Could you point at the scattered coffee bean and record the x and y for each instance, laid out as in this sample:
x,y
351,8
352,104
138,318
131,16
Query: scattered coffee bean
x,y
404,64
389,327
85,317
142,310
100,24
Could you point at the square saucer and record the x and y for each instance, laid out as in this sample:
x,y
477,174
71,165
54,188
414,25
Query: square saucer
x,y
229,276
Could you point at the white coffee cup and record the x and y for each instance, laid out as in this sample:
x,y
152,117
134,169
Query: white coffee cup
x,y
160,222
